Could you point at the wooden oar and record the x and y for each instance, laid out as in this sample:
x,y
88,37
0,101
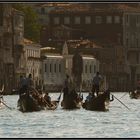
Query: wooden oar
x,y
7,106
120,101
52,107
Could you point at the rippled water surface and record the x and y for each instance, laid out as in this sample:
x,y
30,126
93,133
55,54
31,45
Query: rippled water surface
x,y
118,122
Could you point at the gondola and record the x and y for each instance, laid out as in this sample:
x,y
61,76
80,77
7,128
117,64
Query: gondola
x,y
27,103
72,100
98,103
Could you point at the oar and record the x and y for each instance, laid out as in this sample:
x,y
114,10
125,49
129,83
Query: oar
x,y
123,95
120,101
7,106
58,99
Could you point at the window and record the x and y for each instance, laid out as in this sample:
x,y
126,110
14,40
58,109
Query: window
x,y
1,14
50,68
132,40
77,20
88,20
42,10
109,19
138,77
127,42
137,20
21,21
127,20
137,42
98,19
0,42
85,68
56,20
90,69
59,67
137,58
127,39
94,69
55,68
117,19
66,20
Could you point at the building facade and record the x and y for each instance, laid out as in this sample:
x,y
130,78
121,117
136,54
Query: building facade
x,y
55,68
32,61
132,45
18,41
113,26
6,47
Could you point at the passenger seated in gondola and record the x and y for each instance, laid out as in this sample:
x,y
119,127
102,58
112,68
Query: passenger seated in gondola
x,y
47,99
40,91
89,97
107,92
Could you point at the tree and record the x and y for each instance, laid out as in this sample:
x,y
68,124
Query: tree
x,y
31,25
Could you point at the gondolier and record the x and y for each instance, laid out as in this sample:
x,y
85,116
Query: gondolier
x,y
67,84
96,83
77,69
22,85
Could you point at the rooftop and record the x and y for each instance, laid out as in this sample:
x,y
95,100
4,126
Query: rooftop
x,y
93,8
29,42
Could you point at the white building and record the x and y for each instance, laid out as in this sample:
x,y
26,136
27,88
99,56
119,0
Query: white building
x,y
55,67
32,58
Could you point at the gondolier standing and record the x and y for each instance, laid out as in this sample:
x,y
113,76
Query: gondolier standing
x,y
22,85
30,82
77,69
67,84
96,83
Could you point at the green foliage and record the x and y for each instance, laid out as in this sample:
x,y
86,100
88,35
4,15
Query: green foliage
x,y
31,25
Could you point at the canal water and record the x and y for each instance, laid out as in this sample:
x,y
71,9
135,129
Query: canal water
x,y
118,122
